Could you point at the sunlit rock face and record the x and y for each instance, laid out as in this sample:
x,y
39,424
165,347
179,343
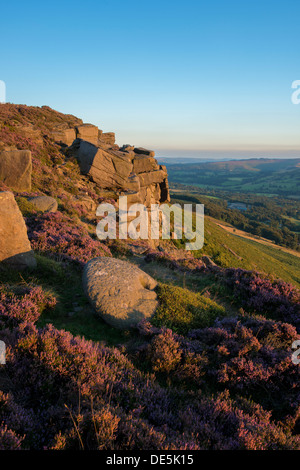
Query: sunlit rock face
x,y
128,170
15,249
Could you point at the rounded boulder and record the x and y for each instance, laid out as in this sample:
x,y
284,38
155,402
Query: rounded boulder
x,y
120,292
44,203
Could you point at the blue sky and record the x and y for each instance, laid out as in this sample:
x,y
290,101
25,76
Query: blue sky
x,y
179,77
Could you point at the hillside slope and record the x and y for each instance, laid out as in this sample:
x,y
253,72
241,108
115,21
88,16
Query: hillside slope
x,y
212,368
230,250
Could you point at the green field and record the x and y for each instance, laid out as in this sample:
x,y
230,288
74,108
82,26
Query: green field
x,y
230,250
253,255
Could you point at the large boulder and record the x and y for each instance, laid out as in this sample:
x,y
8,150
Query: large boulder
x,y
44,203
121,293
15,249
88,132
143,163
108,138
109,169
150,177
15,169
65,136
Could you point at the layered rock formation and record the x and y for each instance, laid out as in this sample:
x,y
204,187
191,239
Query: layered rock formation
x,y
128,170
15,249
66,135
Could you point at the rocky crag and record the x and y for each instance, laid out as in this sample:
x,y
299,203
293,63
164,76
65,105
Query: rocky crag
x,y
132,170
127,169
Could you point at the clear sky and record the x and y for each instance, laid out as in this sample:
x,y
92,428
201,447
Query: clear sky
x,y
173,76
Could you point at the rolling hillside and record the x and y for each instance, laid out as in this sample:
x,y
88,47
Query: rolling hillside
x,y
260,176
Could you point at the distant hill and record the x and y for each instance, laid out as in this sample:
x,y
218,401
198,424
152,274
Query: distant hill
x,y
259,175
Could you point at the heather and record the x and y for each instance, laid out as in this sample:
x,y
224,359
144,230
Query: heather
x,y
253,291
273,298
229,384
247,355
24,305
70,393
29,128
59,236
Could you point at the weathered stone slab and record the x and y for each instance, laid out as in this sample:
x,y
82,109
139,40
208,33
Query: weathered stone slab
x,y
141,150
108,169
108,138
148,178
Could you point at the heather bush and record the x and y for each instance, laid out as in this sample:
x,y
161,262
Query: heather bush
x,y
272,298
24,305
69,393
176,259
58,235
9,137
236,425
251,356
164,352
9,440
248,355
